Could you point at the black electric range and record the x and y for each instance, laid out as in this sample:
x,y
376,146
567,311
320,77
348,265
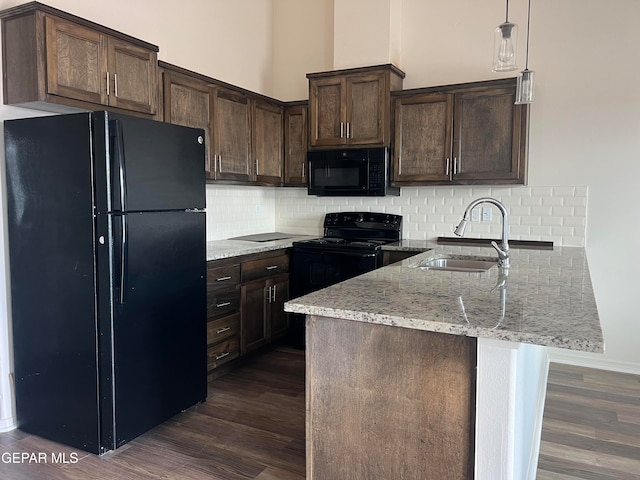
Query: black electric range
x,y
352,245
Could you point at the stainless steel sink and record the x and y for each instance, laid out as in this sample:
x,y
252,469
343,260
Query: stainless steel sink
x,y
456,264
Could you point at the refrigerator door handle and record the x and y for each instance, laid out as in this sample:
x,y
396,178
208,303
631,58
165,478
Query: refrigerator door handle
x,y
116,129
123,260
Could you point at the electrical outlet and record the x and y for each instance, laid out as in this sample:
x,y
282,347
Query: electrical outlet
x,y
486,214
475,215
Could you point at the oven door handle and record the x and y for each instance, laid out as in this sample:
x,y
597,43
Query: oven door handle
x,y
320,251
350,254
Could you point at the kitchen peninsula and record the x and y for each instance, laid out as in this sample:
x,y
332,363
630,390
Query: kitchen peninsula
x,y
392,359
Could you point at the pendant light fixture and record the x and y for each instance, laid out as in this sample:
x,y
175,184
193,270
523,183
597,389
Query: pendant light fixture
x,y
504,51
524,88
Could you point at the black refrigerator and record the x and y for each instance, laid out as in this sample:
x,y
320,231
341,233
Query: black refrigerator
x,y
106,228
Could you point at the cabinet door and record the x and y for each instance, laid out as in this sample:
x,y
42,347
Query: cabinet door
x,y
327,112
422,139
279,318
189,102
366,110
254,325
267,142
76,61
486,136
134,72
231,135
295,145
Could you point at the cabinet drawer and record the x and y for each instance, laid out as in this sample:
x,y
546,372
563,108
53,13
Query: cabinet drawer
x,y
223,352
218,330
221,304
220,278
265,267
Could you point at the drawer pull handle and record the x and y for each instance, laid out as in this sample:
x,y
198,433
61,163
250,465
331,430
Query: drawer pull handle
x,y
222,355
271,267
223,304
222,279
222,330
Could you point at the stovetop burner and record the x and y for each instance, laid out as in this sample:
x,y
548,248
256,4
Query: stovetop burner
x,y
358,230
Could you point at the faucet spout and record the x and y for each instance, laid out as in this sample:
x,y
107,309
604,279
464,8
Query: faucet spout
x,y
503,248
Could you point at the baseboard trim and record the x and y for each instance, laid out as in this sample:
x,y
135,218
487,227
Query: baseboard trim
x,y
7,424
590,360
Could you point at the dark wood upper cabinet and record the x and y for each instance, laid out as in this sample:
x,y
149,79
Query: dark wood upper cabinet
x,y
244,130
188,101
267,142
352,107
422,147
231,136
295,145
53,60
486,136
134,73
461,134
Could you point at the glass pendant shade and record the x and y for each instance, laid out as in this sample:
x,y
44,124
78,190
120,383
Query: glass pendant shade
x,y
524,87
504,52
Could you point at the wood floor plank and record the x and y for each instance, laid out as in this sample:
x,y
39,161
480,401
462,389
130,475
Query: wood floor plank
x,y
251,427
590,425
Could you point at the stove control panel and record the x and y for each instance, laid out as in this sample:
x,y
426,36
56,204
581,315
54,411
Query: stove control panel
x,y
363,220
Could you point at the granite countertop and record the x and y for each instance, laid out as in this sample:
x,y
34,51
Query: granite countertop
x,y
219,249
410,245
546,298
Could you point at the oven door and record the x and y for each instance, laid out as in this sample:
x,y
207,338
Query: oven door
x,y
338,173
313,268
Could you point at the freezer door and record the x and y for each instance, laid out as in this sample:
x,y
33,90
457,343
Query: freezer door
x,y
159,322
148,165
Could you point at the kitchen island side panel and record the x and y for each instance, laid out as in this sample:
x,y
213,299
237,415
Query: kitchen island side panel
x,y
386,402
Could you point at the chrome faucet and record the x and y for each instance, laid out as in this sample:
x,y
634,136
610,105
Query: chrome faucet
x,y
503,249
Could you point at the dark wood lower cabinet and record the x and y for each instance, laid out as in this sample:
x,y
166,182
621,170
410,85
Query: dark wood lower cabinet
x,y
263,315
245,305
255,332
388,402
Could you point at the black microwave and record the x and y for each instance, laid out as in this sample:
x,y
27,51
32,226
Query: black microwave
x,y
350,172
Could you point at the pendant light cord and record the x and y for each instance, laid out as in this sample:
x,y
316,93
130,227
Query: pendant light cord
x,y
526,56
506,19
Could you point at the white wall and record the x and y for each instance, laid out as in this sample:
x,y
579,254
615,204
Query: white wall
x,y
302,43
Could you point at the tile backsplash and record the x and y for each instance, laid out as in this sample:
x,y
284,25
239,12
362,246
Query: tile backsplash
x,y
235,211
557,214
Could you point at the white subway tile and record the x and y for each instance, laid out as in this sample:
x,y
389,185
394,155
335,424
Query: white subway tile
x,y
575,201
575,221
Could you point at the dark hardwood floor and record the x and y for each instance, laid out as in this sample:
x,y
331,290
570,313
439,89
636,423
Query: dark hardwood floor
x,y
591,425
251,427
